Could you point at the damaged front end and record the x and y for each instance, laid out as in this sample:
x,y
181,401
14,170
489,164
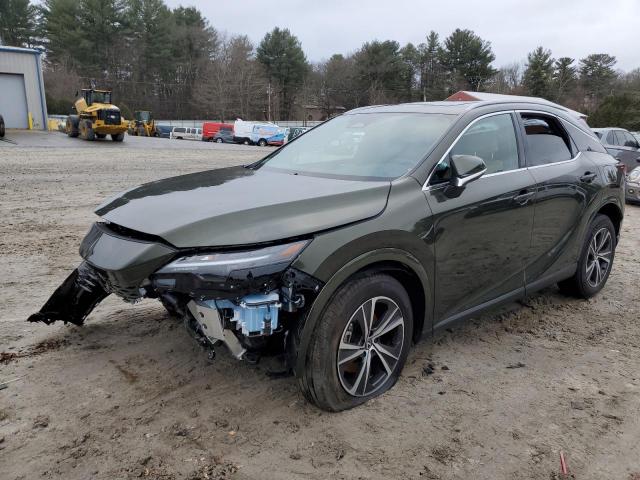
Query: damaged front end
x,y
240,298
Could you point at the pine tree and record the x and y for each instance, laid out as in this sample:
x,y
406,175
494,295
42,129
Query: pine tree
x,y
538,74
17,23
467,59
285,65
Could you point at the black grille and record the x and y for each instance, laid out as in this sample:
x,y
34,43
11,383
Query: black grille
x,y
110,117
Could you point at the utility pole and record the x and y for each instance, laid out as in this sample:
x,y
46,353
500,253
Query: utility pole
x,y
269,104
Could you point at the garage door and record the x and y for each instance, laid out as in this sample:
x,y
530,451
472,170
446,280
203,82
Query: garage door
x,y
13,101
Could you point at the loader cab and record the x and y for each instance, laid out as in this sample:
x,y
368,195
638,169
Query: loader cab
x,y
142,116
92,96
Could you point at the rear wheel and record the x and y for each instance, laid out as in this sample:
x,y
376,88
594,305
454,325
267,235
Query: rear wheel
x,y
218,140
2,131
596,260
262,142
360,345
72,124
117,137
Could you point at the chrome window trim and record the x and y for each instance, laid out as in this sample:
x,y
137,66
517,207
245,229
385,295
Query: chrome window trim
x,y
426,186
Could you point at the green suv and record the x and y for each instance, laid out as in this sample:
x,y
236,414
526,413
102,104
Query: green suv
x,y
360,237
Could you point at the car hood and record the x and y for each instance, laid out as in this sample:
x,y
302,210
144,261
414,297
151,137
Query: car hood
x,y
238,205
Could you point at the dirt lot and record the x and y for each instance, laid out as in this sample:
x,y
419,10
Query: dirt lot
x,y
129,395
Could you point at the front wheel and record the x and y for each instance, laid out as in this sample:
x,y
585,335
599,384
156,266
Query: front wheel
x,y
595,262
219,140
262,142
360,345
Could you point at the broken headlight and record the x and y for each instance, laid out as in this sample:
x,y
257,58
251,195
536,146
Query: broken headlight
x,y
227,273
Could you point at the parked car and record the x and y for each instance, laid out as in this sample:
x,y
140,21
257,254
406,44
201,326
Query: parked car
x,y
373,229
621,145
209,130
633,186
186,133
295,132
1,126
224,135
164,131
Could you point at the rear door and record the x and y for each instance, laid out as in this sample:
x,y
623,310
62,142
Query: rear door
x,y
629,154
483,231
566,183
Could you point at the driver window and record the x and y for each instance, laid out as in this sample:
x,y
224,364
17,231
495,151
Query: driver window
x,y
493,139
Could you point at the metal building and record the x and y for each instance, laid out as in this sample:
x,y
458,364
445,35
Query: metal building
x,y
22,100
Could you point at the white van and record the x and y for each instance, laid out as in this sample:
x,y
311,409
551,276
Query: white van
x,y
186,133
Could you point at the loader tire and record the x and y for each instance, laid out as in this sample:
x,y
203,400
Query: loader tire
x,y
71,126
117,137
86,130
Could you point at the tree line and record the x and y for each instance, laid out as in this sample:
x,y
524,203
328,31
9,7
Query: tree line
x,y
173,62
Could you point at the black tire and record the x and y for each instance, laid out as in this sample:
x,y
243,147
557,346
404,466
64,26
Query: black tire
x,y
246,142
2,130
117,137
86,130
219,140
73,122
262,142
595,262
327,381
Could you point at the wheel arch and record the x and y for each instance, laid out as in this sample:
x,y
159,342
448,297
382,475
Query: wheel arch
x,y
399,264
612,210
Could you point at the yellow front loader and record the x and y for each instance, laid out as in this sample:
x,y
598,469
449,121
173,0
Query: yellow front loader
x,y
143,124
96,117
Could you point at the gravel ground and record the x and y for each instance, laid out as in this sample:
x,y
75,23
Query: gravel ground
x,y
130,395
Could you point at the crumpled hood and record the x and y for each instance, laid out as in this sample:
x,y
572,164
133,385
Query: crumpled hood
x,y
236,206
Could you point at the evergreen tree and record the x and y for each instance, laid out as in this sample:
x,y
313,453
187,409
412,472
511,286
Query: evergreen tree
x,y
597,74
467,59
17,23
538,73
285,65
564,78
431,69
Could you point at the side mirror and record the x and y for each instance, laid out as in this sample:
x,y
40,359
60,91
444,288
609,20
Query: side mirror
x,y
466,168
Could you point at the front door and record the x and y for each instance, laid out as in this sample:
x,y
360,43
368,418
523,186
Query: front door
x,y
482,233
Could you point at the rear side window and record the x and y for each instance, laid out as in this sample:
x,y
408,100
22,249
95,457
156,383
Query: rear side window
x,y
584,141
629,140
179,130
611,138
546,141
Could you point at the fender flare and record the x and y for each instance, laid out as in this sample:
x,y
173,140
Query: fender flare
x,y
338,278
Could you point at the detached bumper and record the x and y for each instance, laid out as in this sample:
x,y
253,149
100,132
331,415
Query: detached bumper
x,y
74,299
113,263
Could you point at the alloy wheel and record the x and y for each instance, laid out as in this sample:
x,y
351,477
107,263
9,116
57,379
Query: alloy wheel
x,y
370,346
599,257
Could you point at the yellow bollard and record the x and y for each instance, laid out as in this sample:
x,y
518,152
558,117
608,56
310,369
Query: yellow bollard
x,y
30,121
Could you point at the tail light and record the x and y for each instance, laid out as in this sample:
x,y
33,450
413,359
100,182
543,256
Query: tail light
x,y
622,168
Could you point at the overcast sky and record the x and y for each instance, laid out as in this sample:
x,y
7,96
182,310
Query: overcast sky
x,y
573,28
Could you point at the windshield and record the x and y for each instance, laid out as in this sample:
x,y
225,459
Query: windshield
x,y
100,97
374,145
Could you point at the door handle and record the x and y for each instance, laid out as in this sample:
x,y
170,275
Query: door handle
x,y
588,177
523,197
